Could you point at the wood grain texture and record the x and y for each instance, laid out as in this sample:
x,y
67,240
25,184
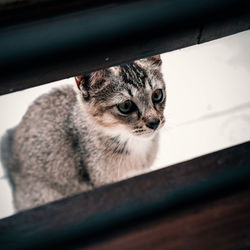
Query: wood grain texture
x,y
204,201
220,224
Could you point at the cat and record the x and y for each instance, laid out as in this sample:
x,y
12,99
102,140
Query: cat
x,y
76,138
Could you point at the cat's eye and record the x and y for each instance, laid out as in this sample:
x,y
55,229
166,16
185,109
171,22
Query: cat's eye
x,y
157,96
126,107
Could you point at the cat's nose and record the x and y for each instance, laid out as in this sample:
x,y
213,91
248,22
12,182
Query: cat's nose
x,y
153,125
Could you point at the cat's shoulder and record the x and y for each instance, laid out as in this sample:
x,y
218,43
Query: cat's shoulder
x,y
52,105
58,96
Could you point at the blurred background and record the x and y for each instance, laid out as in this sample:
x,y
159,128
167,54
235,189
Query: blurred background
x,y
208,104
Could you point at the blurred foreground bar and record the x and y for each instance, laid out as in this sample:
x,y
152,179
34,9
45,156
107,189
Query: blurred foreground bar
x,y
47,40
200,204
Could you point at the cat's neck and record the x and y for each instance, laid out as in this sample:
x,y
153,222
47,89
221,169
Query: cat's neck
x,y
122,143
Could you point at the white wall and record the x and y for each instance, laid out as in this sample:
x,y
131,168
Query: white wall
x,y
208,105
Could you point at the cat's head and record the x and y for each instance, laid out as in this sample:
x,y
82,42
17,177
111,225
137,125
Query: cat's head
x,y
127,99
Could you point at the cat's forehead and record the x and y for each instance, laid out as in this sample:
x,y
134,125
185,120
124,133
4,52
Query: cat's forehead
x,y
137,75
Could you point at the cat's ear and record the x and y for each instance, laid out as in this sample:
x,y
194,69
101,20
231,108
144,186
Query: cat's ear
x,y
82,85
98,79
155,60
90,83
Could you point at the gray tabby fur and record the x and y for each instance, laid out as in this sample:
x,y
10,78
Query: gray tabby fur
x,y
74,139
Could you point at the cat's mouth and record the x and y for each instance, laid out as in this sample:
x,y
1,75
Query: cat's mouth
x,y
146,132
146,135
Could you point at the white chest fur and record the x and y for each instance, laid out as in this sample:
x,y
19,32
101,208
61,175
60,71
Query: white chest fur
x,y
140,156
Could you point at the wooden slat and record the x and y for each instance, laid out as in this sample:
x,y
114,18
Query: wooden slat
x,y
190,203
220,224
43,41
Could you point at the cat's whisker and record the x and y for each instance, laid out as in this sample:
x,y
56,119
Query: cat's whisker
x,y
168,127
121,160
139,130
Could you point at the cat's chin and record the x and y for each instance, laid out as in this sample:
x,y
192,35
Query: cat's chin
x,y
125,135
146,136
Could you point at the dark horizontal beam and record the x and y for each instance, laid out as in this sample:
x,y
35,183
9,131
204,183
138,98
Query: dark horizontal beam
x,y
44,41
210,193
222,224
